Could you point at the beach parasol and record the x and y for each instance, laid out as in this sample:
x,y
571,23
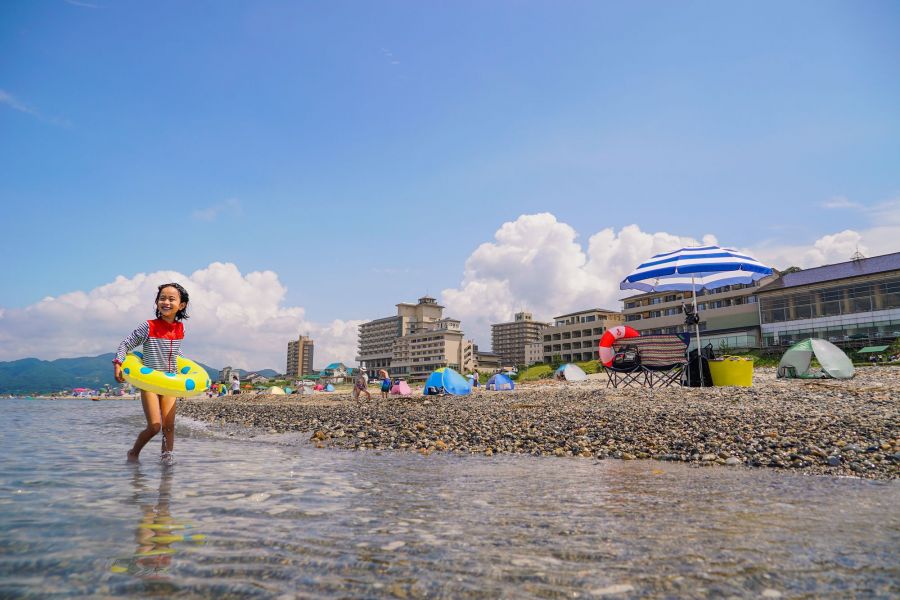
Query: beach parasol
x,y
692,268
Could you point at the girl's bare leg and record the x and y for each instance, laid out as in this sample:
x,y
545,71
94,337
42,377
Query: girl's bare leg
x,y
150,403
167,408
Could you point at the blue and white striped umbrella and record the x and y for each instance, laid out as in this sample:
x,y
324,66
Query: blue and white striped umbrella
x,y
692,268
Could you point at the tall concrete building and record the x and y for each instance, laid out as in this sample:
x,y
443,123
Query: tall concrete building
x,y
415,342
300,357
576,336
729,316
509,340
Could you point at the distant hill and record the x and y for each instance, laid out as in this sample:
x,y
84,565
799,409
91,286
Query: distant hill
x,y
35,376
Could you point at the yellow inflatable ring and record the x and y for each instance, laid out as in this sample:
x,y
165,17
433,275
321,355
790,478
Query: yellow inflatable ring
x,y
189,380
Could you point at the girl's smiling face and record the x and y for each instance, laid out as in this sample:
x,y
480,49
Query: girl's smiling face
x,y
168,303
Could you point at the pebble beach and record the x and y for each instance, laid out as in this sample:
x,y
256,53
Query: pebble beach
x,y
831,427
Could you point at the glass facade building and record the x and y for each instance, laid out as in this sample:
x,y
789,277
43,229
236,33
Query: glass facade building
x,y
854,310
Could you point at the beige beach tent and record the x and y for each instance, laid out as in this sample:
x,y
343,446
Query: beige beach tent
x,y
275,390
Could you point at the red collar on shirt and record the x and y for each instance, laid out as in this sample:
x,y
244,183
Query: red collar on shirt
x,y
164,330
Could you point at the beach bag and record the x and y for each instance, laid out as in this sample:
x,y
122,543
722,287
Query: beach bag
x,y
627,358
695,363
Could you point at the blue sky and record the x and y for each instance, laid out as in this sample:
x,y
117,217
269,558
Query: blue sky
x,y
364,150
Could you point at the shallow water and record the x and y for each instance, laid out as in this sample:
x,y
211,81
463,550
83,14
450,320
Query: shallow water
x,y
276,518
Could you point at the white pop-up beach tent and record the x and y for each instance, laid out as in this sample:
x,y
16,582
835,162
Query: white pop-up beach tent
x,y
570,372
798,358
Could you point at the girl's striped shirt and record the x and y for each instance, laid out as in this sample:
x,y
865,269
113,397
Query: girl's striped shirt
x,y
162,344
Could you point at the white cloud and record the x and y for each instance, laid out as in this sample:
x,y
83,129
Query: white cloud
x,y
14,103
235,319
536,263
838,202
232,207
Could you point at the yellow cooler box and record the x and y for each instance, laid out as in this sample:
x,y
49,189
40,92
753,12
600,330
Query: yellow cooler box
x,y
732,370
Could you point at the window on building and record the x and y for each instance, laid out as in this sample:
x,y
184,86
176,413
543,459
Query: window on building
x,y
890,294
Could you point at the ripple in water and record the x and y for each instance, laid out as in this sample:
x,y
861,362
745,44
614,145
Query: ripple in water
x,y
272,517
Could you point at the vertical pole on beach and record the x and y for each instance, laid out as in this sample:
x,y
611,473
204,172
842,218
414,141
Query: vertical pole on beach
x,y
697,325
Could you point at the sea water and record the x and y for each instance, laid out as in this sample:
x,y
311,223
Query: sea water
x,y
268,516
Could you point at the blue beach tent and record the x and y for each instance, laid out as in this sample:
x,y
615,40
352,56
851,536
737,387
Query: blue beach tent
x,y
500,382
449,381
329,388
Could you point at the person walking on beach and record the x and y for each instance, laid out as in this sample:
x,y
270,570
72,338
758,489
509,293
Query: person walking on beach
x,y
385,387
235,384
161,339
361,386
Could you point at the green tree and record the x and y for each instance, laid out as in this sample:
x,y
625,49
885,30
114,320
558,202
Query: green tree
x,y
556,361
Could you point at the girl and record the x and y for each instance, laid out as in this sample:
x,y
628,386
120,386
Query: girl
x,y
161,338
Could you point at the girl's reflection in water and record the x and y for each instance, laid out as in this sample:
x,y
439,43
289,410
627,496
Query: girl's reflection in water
x,y
156,532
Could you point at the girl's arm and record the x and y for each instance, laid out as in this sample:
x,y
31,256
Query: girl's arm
x,y
135,339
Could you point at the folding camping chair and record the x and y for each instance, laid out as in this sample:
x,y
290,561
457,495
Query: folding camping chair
x,y
663,359
624,377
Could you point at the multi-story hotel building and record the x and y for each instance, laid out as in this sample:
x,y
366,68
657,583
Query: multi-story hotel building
x,y
415,342
376,338
729,317
576,336
442,344
510,339
853,303
300,357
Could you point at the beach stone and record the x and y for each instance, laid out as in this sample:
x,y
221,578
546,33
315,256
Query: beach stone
x,y
708,457
834,461
611,590
733,461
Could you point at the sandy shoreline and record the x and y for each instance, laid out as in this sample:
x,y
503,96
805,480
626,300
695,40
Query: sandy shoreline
x,y
824,426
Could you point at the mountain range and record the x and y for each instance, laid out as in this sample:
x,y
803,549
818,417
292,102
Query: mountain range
x,y
35,376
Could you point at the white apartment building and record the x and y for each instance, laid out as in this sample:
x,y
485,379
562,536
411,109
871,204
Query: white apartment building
x,y
729,316
576,336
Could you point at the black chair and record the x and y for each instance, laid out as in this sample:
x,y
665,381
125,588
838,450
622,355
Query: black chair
x,y
624,377
662,361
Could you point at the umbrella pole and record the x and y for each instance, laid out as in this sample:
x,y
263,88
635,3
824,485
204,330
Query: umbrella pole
x,y
697,325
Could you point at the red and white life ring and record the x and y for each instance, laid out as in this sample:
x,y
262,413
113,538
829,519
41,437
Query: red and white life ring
x,y
609,338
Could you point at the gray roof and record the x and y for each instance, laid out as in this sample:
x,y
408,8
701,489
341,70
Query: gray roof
x,y
844,270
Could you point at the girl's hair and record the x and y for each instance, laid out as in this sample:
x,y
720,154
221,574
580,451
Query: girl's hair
x,y
182,313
